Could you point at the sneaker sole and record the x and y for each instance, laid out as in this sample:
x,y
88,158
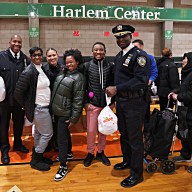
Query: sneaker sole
x,y
61,178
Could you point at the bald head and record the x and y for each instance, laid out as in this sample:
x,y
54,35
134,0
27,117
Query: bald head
x,y
15,36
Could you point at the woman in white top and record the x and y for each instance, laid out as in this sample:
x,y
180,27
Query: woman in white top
x,y
33,93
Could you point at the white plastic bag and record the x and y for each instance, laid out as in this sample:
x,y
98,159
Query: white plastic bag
x,y
154,89
2,89
107,120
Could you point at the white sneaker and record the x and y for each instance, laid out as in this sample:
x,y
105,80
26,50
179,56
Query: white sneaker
x,y
61,173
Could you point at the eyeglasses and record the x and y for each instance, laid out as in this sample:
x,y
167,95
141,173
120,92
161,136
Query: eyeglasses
x,y
35,55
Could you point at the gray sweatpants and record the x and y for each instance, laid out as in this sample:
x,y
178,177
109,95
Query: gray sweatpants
x,y
43,128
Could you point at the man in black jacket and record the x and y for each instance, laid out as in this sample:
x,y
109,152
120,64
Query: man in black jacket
x,y
12,62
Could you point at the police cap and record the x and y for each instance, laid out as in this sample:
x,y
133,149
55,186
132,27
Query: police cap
x,y
120,30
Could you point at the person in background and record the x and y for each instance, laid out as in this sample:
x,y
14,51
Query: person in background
x,y
67,104
132,71
168,78
12,62
184,95
52,69
99,75
153,75
33,93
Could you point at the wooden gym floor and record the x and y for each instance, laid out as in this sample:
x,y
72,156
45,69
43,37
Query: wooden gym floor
x,y
96,178
19,176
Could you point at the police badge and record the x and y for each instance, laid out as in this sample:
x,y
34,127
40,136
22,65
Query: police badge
x,y
141,61
119,27
126,63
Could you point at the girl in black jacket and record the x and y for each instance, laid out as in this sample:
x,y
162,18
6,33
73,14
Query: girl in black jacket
x,y
67,104
99,75
184,94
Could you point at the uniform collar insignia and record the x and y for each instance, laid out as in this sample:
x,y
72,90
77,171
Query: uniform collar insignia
x,y
119,27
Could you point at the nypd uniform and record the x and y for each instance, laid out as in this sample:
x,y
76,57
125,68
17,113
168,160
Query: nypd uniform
x,y
132,70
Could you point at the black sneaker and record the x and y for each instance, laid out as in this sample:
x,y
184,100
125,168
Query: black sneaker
x,y
189,169
88,160
61,173
180,159
102,157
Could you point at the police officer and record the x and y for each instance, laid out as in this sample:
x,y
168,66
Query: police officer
x,y
132,70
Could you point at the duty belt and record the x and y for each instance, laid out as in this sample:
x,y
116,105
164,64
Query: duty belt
x,y
132,94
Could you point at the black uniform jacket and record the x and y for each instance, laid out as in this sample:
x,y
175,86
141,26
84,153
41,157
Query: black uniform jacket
x,y
10,70
132,70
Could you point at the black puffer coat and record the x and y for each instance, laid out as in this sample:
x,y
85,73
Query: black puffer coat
x,y
52,72
97,72
185,91
25,92
68,94
168,76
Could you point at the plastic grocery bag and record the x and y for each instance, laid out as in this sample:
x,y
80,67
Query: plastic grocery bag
x,y
154,89
107,120
2,89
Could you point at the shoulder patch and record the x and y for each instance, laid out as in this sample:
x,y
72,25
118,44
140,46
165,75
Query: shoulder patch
x,y
141,61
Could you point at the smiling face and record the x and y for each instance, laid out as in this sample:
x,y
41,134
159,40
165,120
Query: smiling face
x,y
52,57
37,57
99,51
71,63
15,43
123,41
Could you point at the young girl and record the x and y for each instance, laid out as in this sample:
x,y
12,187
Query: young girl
x,y
67,104
99,75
